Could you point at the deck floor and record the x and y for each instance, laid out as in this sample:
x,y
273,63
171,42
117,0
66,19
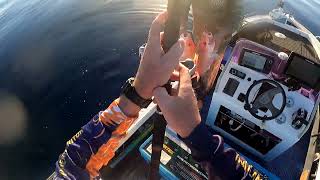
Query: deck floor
x,y
132,167
289,165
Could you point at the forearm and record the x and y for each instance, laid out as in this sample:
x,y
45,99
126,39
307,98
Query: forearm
x,y
95,144
72,162
127,107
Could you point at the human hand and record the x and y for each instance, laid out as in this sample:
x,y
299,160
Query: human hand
x,y
181,111
156,66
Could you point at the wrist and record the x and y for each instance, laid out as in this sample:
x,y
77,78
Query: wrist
x,y
202,144
127,107
188,130
142,89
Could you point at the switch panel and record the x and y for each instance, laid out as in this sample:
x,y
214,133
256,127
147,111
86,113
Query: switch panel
x,y
237,73
231,87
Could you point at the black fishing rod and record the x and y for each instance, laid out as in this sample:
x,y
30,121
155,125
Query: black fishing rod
x,y
171,36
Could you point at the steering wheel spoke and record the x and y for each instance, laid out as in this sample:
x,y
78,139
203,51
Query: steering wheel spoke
x,y
273,92
274,111
257,105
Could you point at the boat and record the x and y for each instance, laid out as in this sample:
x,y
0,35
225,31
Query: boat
x,y
259,60
265,104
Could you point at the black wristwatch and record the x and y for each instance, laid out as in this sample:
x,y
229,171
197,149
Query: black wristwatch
x,y
130,92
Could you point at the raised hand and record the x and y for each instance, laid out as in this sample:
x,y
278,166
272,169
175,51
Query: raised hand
x,y
181,111
156,66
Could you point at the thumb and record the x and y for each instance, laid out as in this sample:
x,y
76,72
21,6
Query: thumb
x,y
161,96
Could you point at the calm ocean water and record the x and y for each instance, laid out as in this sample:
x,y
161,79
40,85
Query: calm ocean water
x,y
62,61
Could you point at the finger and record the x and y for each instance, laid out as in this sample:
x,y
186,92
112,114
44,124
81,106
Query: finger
x,y
184,74
161,36
185,86
187,38
173,55
155,29
161,42
175,76
161,96
174,92
204,41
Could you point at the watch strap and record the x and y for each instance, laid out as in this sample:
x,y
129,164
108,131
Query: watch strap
x,y
130,92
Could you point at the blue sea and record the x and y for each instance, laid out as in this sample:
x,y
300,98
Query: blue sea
x,y
61,61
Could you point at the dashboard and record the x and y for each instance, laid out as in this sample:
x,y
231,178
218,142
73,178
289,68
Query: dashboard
x,y
229,117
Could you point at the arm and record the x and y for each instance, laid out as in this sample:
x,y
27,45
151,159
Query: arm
x,y
95,144
182,115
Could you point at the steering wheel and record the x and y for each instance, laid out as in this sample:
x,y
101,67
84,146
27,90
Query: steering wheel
x,y
265,99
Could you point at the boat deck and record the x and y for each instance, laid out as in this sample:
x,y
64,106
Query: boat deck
x,y
132,167
289,165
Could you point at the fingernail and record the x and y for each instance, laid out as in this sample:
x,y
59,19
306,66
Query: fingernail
x,y
181,42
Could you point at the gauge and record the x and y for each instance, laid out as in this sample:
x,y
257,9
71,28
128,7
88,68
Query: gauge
x,y
281,119
290,102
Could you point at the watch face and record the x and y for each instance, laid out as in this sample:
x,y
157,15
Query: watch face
x,y
124,86
127,84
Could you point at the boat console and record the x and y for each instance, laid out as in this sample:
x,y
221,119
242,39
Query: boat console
x,y
262,101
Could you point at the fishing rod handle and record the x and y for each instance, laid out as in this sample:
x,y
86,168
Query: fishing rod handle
x,y
172,25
